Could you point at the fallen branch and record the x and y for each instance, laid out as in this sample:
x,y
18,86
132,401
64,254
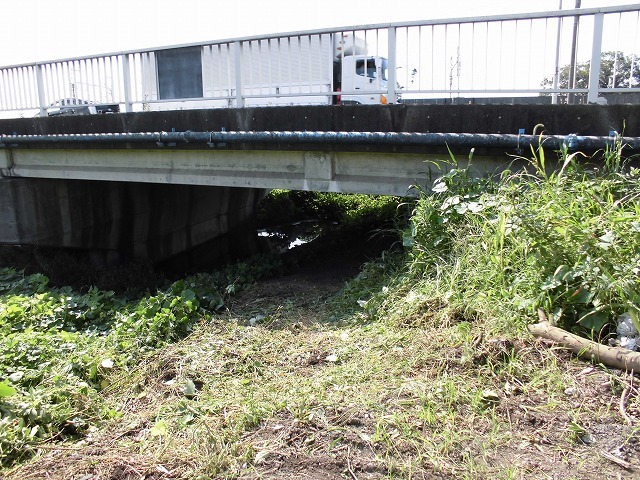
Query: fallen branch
x,y
618,461
349,465
615,357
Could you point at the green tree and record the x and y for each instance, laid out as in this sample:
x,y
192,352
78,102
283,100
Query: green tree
x,y
617,70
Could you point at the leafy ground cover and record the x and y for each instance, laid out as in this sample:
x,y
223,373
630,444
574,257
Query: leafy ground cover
x,y
416,364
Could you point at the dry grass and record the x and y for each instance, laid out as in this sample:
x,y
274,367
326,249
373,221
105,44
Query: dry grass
x,y
294,396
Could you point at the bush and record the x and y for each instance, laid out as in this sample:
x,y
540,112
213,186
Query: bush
x,y
286,206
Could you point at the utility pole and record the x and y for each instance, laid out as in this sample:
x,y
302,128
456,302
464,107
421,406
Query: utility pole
x,y
556,75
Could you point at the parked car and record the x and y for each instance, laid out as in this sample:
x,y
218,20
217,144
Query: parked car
x,y
76,106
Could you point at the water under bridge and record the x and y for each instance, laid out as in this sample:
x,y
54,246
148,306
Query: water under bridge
x,y
173,162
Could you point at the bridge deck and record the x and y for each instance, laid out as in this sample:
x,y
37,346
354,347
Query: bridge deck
x,y
389,167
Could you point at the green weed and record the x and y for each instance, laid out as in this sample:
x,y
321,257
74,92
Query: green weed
x,y
565,241
416,368
59,346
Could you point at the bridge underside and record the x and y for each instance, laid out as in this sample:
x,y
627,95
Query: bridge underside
x,y
145,220
157,202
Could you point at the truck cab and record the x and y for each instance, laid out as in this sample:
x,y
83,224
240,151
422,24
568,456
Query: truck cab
x,y
364,79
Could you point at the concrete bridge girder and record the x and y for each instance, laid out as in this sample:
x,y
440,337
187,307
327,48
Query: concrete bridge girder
x,y
346,172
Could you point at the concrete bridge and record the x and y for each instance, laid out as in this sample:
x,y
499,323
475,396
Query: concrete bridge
x,y
350,149
108,182
164,169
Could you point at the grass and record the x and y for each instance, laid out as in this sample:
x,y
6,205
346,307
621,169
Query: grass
x,y
314,390
564,241
419,367
382,398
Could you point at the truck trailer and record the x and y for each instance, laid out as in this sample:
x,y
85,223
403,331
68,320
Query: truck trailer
x,y
320,69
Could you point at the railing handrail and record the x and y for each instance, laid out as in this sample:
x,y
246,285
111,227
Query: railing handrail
x,y
329,31
305,67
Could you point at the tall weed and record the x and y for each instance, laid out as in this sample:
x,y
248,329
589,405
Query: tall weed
x,y
564,240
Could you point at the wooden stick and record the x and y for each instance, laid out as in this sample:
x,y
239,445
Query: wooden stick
x,y
618,461
623,400
615,357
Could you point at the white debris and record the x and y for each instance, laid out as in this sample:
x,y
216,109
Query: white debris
x,y
253,321
628,335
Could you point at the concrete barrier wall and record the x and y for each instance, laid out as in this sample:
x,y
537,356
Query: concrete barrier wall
x,y
595,120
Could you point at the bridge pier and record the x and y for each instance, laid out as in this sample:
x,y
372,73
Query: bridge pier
x,y
144,220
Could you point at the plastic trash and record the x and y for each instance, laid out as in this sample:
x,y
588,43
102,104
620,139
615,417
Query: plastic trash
x,y
628,335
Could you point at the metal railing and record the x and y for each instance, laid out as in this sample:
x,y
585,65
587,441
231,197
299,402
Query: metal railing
x,y
568,56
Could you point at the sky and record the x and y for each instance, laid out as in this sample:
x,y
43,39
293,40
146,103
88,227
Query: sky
x,y
40,30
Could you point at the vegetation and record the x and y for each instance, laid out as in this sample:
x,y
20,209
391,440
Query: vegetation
x,y
566,242
58,346
284,206
617,70
418,366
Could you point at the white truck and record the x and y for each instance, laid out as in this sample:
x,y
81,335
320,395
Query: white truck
x,y
320,69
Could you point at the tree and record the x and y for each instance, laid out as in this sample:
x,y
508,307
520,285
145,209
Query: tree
x,y
617,70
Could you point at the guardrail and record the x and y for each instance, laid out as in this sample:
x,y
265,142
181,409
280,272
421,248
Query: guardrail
x,y
569,56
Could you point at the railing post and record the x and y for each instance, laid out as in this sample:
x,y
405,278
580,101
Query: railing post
x,y
126,72
391,63
596,57
40,86
238,60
